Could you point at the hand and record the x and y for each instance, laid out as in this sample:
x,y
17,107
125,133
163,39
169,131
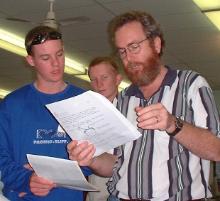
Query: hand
x,y
155,116
40,186
81,152
27,166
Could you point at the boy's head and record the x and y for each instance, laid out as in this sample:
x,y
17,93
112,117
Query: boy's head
x,y
104,76
39,35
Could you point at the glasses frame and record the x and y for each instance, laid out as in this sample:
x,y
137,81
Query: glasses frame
x,y
133,48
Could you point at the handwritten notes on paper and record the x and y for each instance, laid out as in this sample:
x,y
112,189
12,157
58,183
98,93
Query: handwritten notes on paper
x,y
90,116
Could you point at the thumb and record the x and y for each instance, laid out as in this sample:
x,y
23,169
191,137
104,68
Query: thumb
x,y
137,109
27,166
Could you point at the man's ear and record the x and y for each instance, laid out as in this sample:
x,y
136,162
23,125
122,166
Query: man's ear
x,y
157,44
29,60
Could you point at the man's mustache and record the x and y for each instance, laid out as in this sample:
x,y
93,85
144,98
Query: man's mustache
x,y
131,65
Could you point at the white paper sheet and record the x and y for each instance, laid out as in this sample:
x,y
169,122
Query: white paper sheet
x,y
3,198
65,173
90,116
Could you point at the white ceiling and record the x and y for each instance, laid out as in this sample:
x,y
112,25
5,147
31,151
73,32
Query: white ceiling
x,y
192,41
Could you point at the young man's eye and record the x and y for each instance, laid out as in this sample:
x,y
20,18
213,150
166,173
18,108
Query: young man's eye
x,y
92,79
60,54
105,77
45,58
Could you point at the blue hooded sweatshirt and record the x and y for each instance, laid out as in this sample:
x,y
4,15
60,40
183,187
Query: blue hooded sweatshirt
x,y
27,126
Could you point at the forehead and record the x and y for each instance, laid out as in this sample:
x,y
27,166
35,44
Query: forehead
x,y
48,47
128,33
102,68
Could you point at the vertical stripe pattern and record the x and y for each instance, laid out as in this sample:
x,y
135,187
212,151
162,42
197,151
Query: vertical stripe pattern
x,y
155,166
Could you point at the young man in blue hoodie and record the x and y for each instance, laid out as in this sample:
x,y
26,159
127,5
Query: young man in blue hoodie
x,y
26,126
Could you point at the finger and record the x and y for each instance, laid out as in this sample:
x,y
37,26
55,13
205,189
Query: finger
x,y
75,150
149,123
76,147
152,115
149,108
39,191
87,158
137,109
27,166
83,151
22,194
36,181
71,145
40,186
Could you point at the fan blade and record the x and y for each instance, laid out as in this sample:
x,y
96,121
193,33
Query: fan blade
x,y
17,19
74,20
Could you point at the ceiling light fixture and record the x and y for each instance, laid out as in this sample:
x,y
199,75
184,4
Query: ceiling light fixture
x,y
207,4
12,43
15,44
3,93
214,16
211,9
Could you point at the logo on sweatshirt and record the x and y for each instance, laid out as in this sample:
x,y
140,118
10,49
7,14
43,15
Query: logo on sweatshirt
x,y
44,136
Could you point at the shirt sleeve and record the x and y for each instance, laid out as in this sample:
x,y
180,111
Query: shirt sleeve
x,y
206,114
14,176
86,171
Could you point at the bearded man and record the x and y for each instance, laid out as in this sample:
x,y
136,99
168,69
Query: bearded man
x,y
176,114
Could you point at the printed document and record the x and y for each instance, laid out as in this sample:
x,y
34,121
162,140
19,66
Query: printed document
x,y
92,117
65,173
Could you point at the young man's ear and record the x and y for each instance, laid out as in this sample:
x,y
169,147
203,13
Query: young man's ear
x,y
157,44
29,60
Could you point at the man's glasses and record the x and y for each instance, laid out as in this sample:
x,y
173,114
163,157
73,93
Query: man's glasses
x,y
42,37
133,48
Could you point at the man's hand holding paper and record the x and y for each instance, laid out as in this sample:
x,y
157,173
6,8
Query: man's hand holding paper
x,y
56,172
82,152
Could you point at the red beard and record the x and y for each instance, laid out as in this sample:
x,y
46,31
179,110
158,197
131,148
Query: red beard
x,y
149,71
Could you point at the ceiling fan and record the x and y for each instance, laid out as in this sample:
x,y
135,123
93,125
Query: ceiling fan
x,y
50,19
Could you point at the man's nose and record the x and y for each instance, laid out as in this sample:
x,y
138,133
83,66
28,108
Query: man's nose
x,y
99,83
55,61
